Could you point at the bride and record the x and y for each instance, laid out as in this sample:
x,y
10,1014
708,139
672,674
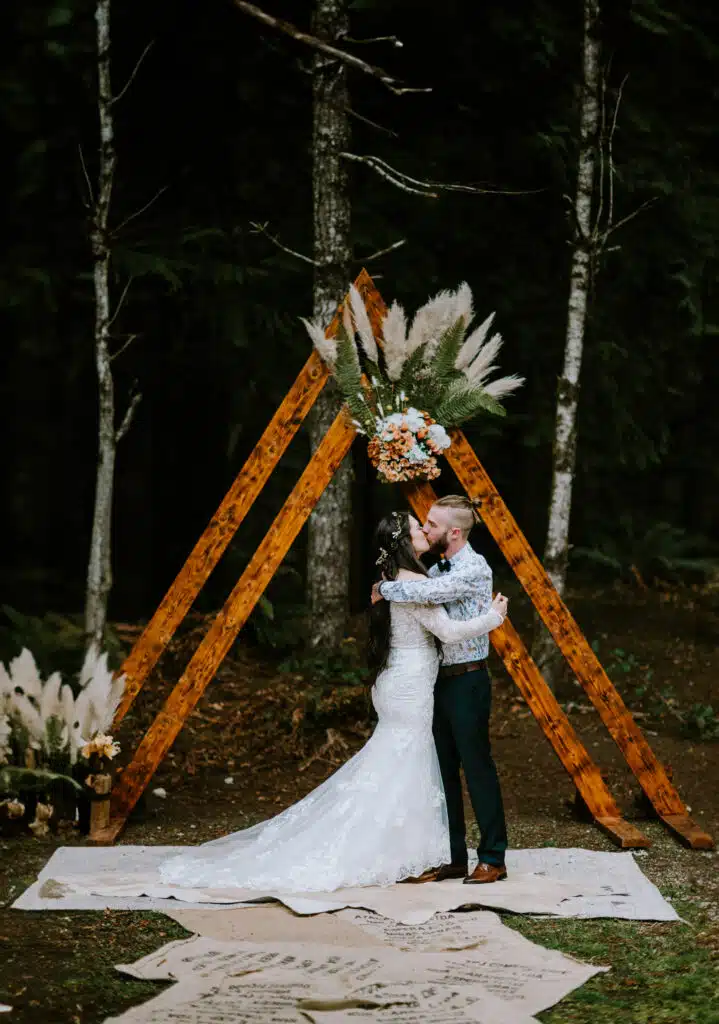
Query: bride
x,y
381,817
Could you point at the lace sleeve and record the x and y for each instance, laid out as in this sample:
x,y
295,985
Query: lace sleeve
x,y
435,589
451,631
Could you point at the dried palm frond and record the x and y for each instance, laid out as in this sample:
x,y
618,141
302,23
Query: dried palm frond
x,y
473,343
50,703
25,676
24,714
396,343
503,386
482,366
327,347
431,320
363,325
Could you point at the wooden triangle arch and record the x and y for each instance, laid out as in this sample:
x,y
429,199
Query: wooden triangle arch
x,y
284,425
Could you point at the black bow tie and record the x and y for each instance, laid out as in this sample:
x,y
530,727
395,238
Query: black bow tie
x,y
444,565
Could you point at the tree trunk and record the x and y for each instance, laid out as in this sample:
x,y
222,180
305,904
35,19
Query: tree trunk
x,y
556,550
328,549
99,572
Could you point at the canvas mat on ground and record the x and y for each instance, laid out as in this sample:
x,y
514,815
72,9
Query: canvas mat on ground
x,y
509,966
561,882
507,979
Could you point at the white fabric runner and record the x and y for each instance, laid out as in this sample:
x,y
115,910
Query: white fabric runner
x,y
559,882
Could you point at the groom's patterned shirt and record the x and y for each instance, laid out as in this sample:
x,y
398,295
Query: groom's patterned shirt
x,y
466,591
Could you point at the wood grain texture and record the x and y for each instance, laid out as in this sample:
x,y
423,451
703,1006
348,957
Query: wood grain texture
x,y
221,635
551,719
236,504
572,643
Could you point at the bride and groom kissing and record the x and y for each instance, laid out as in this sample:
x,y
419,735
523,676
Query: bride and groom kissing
x,y
395,811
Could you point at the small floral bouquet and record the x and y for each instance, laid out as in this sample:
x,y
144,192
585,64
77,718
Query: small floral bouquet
x,y
422,379
99,751
406,446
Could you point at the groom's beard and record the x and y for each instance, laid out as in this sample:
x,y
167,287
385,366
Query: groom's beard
x,y
439,547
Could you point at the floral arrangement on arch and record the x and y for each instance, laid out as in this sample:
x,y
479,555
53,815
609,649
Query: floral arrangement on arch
x,y
426,377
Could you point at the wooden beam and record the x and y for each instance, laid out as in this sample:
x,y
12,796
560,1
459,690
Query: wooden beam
x,y
236,504
571,641
221,635
557,728
551,718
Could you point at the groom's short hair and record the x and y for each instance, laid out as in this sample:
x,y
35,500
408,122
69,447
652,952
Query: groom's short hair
x,y
463,511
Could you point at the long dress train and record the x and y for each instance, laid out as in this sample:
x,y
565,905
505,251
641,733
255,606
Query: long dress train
x,y
379,818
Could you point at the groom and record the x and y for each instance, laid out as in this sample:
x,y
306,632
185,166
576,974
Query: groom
x,y
462,581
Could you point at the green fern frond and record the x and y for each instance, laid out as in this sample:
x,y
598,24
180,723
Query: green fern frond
x,y
427,392
444,359
462,404
348,374
411,368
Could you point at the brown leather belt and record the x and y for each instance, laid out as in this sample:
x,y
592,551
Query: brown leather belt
x,y
461,668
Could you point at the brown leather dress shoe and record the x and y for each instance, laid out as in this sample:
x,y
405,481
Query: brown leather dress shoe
x,y
450,871
427,876
484,873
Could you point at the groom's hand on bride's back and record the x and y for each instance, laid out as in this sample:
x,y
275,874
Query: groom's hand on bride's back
x,y
376,596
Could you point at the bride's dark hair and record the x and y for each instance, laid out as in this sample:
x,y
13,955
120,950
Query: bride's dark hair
x,y
392,551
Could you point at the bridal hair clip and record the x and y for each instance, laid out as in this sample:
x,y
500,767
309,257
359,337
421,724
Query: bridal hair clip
x,y
383,556
397,532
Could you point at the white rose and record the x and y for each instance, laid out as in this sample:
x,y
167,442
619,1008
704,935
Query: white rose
x,y
415,419
439,436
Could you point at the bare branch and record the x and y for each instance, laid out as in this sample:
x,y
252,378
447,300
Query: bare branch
x,y
332,51
135,400
261,229
87,178
394,177
128,83
120,302
601,151
372,124
377,39
610,152
429,189
142,209
383,252
130,339
630,216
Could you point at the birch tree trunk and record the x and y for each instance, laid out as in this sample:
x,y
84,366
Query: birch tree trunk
x,y
328,549
99,572
556,550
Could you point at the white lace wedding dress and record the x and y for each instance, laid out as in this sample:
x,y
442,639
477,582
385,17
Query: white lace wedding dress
x,y
378,819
